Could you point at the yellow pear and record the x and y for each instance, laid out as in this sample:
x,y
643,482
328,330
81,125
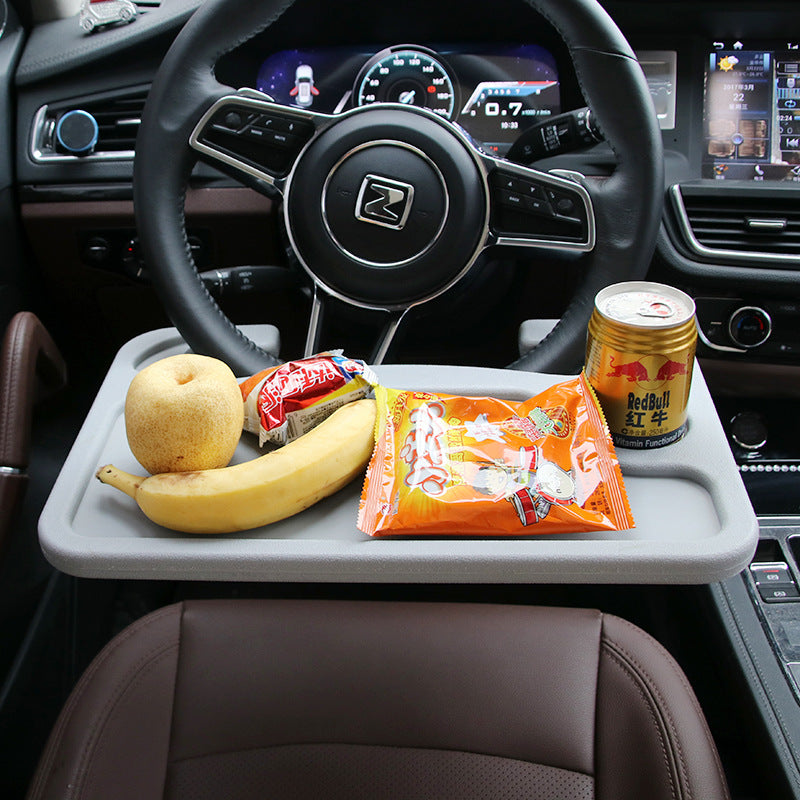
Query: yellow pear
x,y
184,413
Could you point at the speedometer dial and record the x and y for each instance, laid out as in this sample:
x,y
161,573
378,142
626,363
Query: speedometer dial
x,y
406,75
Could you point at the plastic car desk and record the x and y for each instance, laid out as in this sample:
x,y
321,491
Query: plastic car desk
x,y
694,522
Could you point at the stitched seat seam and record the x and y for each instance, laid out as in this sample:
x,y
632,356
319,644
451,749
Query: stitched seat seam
x,y
659,723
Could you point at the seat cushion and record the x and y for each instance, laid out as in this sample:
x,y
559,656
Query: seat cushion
x,y
295,698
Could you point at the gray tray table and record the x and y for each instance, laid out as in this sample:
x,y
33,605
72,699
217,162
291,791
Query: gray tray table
x,y
694,521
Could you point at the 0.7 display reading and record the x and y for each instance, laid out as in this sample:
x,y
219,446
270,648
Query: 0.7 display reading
x,y
507,106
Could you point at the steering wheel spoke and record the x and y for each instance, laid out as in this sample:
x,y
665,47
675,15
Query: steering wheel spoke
x,y
253,138
390,320
533,209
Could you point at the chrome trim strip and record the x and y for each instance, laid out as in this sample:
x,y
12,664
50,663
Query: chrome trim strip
x,y
12,471
42,157
388,338
719,347
314,319
766,224
247,91
711,252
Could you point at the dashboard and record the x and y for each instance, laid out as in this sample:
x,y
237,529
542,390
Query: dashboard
x,y
724,83
494,92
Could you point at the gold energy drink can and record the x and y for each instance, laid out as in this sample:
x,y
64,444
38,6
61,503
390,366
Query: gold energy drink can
x,y
639,357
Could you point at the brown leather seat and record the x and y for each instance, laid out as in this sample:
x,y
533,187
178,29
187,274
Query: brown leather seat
x,y
31,367
335,699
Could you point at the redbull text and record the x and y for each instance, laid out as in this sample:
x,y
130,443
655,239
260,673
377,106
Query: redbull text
x,y
639,357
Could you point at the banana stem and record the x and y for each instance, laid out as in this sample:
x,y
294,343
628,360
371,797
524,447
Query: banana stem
x,y
119,479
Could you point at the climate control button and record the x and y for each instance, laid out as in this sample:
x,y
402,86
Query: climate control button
x,y
749,326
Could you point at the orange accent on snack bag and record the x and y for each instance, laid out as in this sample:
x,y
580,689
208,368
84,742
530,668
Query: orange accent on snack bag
x,y
449,465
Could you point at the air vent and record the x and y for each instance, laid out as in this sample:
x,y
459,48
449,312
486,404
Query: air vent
x,y
117,115
118,121
761,230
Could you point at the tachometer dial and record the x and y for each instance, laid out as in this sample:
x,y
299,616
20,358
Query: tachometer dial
x,y
408,75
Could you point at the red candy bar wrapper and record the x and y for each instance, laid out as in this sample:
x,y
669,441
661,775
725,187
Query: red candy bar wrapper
x,y
284,402
449,465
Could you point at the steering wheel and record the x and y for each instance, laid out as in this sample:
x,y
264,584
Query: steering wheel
x,y
387,206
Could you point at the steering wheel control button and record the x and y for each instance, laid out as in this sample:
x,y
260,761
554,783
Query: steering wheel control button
x,y
511,199
563,202
749,327
505,182
565,206
235,120
534,190
265,142
232,120
538,206
77,132
540,210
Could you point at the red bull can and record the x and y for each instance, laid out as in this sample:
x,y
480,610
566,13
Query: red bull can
x,y
639,357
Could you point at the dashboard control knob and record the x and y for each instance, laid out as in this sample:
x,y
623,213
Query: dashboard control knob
x,y
749,430
76,132
749,326
97,250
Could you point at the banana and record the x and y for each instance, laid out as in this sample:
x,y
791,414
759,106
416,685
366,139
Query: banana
x,y
266,489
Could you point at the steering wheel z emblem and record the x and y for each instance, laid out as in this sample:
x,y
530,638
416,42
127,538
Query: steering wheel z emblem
x,y
383,201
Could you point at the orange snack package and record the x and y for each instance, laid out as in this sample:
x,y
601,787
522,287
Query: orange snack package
x,y
451,466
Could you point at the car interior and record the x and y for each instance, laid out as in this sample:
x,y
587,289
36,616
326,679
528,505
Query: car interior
x,y
440,189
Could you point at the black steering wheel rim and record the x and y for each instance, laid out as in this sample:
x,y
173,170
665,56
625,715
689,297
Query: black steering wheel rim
x,y
627,204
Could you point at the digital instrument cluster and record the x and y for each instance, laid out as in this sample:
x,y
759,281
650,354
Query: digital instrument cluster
x,y
494,92
752,112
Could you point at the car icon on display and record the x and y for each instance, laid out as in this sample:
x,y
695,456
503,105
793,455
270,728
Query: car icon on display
x,y
304,90
95,13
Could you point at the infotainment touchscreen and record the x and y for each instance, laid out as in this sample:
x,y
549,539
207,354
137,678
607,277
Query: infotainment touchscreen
x,y
752,113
